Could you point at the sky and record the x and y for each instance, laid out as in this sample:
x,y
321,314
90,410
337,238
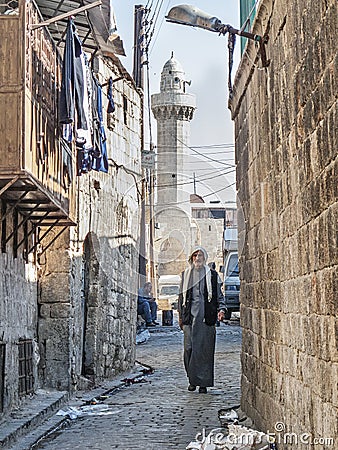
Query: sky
x,y
204,57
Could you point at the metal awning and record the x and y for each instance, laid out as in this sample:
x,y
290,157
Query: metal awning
x,y
96,26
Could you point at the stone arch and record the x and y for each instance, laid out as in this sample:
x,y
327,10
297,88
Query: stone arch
x,y
90,303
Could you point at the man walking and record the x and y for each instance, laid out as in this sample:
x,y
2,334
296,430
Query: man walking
x,y
201,304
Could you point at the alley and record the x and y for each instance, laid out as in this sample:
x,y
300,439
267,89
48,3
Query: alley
x,y
160,413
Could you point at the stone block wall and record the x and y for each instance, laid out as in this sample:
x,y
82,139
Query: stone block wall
x,y
88,287
18,319
286,119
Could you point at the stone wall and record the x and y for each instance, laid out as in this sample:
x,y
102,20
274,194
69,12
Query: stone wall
x,y
287,170
88,300
18,319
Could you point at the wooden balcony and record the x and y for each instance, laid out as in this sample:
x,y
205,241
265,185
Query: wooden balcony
x,y
36,168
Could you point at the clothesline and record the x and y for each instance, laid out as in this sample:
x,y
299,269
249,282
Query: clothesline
x,y
80,106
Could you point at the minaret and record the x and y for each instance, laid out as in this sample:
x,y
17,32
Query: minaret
x,y
173,109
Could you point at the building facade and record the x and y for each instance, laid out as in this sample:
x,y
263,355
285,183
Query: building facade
x,y
69,216
286,152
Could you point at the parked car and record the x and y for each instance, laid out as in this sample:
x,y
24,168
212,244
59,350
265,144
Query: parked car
x,y
169,289
231,283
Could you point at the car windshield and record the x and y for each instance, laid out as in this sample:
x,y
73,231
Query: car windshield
x,y
232,270
170,290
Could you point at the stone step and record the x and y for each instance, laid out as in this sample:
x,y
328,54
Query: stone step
x,y
33,412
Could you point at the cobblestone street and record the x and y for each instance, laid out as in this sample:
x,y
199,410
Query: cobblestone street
x,y
160,413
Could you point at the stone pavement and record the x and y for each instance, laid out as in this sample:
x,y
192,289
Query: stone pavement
x,y
158,413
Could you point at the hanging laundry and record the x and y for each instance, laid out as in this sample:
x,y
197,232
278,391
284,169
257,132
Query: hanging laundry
x,y
111,104
84,157
80,107
72,90
100,157
84,143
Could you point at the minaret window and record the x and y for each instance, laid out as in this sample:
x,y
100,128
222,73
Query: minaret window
x,y
125,110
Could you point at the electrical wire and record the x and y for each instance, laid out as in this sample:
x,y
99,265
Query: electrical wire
x,y
148,7
161,186
159,28
152,23
214,146
220,190
198,161
204,156
203,196
208,154
220,146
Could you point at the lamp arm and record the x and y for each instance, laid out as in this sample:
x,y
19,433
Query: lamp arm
x,y
223,29
262,40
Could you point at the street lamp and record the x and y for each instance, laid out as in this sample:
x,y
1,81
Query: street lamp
x,y
194,17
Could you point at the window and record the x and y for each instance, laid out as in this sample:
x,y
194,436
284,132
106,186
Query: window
x,y
25,366
245,9
125,110
232,269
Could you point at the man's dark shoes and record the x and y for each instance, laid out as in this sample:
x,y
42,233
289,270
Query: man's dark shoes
x,y
202,390
151,324
191,388
156,323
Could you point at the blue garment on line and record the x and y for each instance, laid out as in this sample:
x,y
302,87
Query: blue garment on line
x,y
100,157
72,91
111,104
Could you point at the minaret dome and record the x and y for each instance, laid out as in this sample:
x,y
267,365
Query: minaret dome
x,y
172,76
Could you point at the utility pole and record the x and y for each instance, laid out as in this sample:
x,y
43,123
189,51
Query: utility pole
x,y
194,183
139,45
141,60
152,269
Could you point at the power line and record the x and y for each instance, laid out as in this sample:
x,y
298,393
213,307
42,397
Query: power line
x,y
159,28
204,156
210,146
199,179
151,29
214,146
223,152
203,196
199,161
220,190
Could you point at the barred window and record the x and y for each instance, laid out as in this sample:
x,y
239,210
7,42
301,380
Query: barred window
x,y
26,379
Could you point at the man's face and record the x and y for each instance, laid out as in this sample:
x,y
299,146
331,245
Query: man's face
x,y
148,288
198,259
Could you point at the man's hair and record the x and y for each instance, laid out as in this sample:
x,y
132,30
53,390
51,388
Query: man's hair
x,y
147,283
